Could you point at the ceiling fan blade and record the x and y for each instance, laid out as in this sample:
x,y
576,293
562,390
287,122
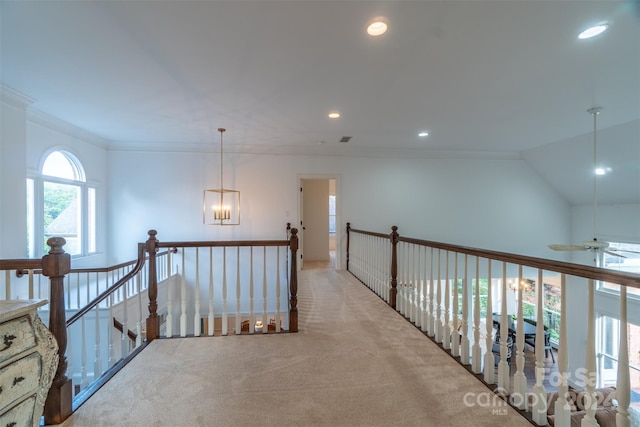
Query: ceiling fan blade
x,y
624,250
567,248
606,251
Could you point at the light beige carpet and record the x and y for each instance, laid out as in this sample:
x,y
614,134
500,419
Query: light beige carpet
x,y
355,362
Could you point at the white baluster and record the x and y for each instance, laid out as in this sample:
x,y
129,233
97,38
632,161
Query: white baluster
x,y
412,286
489,361
438,319
539,409
211,318
7,285
196,315
225,314
83,356
476,350
446,325
169,320
464,350
400,277
31,290
124,337
110,360
265,327
419,289
455,335
503,367
252,314
590,400
278,284
425,308
431,311
140,313
519,395
623,384
97,362
183,300
238,317
562,410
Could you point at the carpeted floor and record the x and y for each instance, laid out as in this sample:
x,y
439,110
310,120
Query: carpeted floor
x,y
355,362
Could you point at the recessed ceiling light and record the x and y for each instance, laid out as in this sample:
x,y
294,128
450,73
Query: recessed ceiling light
x,y
334,115
423,134
593,31
377,27
602,170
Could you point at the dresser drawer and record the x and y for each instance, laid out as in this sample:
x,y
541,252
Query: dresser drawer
x,y
21,415
16,336
20,378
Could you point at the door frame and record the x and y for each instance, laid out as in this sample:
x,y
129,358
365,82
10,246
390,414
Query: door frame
x,y
336,177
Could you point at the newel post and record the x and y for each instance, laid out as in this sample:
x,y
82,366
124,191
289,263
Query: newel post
x,y
348,231
394,266
293,282
56,265
153,325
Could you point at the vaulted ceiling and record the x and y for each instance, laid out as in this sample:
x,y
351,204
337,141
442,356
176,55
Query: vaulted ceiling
x,y
486,78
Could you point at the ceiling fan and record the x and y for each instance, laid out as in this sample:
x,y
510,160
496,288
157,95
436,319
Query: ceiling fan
x,y
594,245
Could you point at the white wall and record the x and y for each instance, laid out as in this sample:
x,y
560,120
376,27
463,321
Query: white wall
x,y
13,212
493,204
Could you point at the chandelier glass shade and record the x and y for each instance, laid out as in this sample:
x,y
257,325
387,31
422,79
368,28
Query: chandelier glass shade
x,y
221,206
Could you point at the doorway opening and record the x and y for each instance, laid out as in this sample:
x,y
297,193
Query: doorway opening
x,y
320,229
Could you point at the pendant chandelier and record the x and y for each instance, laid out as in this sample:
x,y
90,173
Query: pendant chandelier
x,y
221,206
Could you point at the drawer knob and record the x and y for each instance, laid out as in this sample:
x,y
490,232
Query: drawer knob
x,y
17,380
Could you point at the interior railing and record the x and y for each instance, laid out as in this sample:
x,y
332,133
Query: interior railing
x,y
436,286
107,324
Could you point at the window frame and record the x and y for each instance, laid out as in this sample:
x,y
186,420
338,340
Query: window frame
x,y
35,206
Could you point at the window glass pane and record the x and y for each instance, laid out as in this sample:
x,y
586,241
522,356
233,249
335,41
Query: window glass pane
x,y
59,165
30,220
62,215
332,214
91,219
628,261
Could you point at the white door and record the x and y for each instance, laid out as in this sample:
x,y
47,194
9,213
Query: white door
x,y
315,220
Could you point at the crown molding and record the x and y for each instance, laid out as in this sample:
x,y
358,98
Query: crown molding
x,y
53,123
311,150
15,98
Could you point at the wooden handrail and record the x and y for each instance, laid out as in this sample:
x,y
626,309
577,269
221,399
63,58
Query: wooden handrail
x,y
20,264
220,244
97,300
573,269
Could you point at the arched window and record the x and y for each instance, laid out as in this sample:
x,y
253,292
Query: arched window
x,y
61,204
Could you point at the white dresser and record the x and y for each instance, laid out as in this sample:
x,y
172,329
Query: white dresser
x,y
28,363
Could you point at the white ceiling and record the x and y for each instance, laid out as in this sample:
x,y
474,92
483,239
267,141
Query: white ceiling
x,y
486,78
